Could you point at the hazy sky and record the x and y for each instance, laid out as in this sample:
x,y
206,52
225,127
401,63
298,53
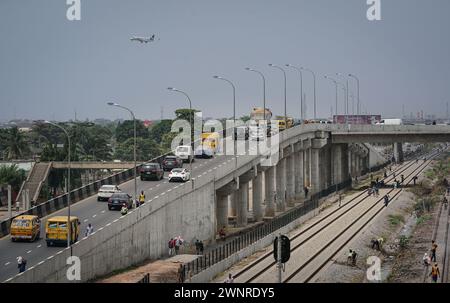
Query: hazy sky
x,y
51,67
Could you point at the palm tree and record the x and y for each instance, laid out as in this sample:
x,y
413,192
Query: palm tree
x,y
12,175
16,144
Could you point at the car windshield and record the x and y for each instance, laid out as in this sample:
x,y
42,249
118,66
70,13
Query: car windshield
x,y
119,196
182,149
177,170
107,188
151,166
170,158
21,223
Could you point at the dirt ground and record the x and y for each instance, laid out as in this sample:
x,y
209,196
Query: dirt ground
x,y
397,225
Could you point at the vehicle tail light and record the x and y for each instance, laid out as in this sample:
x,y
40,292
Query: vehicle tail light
x,y
109,200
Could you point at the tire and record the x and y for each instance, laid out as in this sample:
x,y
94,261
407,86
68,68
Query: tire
x,y
48,244
109,207
142,179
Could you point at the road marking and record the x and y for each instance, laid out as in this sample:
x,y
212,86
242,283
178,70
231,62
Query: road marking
x,y
7,263
169,190
94,216
39,246
49,258
40,262
59,252
31,268
28,251
215,167
108,224
103,211
157,197
163,193
115,220
85,220
100,229
158,185
209,170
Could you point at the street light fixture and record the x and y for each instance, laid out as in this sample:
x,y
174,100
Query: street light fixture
x,y
69,224
336,84
301,88
234,114
134,149
358,107
284,74
314,77
346,97
190,121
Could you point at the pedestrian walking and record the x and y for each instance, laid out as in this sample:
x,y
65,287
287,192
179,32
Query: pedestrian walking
x,y
200,244
142,198
385,174
426,259
230,279
402,177
340,200
306,191
171,245
386,200
377,191
433,251
180,274
435,273
89,230
178,243
197,247
414,180
21,263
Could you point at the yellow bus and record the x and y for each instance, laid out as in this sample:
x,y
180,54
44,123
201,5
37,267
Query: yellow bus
x,y
281,124
25,228
56,230
211,140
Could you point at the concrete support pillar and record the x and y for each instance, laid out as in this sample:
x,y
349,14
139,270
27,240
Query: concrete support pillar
x,y
257,197
281,184
315,171
398,152
336,151
299,171
290,180
222,211
241,218
345,173
233,198
269,180
307,166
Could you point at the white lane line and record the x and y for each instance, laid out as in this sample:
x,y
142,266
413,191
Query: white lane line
x,y
115,220
7,263
59,252
169,190
209,170
215,168
102,211
163,193
164,182
28,251
100,228
157,197
39,246
108,224
94,216
49,258
40,262
158,185
151,189
85,220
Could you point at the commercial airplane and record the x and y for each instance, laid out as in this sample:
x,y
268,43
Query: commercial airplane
x,y
143,39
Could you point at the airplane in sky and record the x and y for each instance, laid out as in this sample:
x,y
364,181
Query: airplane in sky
x,y
143,39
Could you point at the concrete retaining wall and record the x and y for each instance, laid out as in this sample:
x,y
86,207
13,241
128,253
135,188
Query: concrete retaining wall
x,y
138,236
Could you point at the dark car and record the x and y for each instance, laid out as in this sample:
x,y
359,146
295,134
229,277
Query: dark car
x,y
171,162
118,200
151,171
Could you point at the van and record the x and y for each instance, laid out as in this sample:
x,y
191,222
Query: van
x,y
184,152
25,228
56,230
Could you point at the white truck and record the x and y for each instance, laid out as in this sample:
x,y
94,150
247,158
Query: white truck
x,y
390,122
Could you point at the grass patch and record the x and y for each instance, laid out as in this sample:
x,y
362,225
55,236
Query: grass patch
x,y
395,220
423,219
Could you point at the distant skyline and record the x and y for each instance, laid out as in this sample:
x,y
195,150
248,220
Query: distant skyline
x,y
51,68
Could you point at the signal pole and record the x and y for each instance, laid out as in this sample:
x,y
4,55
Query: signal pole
x,y
279,258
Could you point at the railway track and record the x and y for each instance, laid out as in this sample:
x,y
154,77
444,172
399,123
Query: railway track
x,y
315,239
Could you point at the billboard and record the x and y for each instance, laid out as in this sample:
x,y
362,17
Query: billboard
x,y
356,119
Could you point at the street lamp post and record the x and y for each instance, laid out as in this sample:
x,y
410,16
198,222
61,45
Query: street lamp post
x,y
134,149
336,84
301,88
358,106
264,89
285,110
69,225
346,97
234,115
314,77
190,121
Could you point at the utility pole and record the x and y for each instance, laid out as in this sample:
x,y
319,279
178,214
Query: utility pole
x,y
9,202
279,265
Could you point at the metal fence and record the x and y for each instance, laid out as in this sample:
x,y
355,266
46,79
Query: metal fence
x,y
250,236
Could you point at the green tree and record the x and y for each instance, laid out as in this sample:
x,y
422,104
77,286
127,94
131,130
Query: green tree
x,y
15,144
146,149
158,131
12,175
125,130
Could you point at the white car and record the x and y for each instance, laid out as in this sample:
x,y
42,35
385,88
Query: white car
x,y
106,191
179,174
184,152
